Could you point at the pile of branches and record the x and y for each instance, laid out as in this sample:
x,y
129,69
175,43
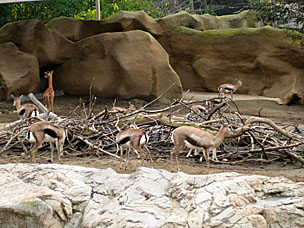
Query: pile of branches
x,y
253,138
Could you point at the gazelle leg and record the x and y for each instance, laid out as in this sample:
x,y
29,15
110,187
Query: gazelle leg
x,y
52,151
175,151
138,155
189,153
32,152
59,151
149,155
214,157
127,158
51,104
143,156
207,160
121,154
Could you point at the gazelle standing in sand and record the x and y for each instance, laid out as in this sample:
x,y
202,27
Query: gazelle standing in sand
x,y
229,88
44,131
48,96
25,111
136,139
195,138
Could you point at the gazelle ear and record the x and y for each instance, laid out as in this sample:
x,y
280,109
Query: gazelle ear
x,y
12,96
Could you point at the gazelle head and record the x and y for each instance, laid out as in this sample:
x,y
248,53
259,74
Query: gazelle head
x,y
17,100
48,74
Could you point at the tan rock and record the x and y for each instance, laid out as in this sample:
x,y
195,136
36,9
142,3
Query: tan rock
x,y
19,72
76,29
127,64
268,62
32,37
245,19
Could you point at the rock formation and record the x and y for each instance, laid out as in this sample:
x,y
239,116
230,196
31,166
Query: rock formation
x,y
204,51
123,64
19,72
71,196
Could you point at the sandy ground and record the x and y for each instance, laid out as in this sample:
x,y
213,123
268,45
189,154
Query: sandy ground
x,y
248,105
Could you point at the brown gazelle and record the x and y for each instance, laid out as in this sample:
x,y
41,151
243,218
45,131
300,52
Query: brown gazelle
x,y
25,111
195,138
44,131
48,96
136,139
198,108
118,109
229,88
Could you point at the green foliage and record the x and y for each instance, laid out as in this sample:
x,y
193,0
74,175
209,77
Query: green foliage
x,y
43,11
109,7
279,12
82,9
209,10
288,14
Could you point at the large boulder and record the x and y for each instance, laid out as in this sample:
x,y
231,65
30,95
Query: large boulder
x,y
19,72
267,60
32,37
76,29
71,196
245,19
124,64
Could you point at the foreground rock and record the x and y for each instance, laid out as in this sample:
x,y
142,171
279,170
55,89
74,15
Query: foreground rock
x,y
71,196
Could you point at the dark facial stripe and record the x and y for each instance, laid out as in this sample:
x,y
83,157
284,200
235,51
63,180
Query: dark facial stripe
x,y
50,133
124,140
28,135
192,142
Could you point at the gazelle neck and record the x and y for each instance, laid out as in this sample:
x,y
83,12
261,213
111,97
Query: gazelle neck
x,y
17,103
50,79
239,84
219,137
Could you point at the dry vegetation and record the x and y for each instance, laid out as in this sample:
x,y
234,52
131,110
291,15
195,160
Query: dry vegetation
x,y
254,139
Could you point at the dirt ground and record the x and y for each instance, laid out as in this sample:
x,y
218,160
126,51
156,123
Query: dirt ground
x,y
248,105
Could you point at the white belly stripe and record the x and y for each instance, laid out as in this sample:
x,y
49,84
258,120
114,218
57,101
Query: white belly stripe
x,y
189,145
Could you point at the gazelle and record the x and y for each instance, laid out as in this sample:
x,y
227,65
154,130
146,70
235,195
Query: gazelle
x,y
44,131
48,96
229,88
195,138
198,108
118,109
136,139
25,111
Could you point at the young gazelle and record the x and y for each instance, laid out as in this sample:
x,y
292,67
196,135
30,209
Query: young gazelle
x,y
229,88
48,96
136,139
43,131
118,109
195,138
198,108
25,111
